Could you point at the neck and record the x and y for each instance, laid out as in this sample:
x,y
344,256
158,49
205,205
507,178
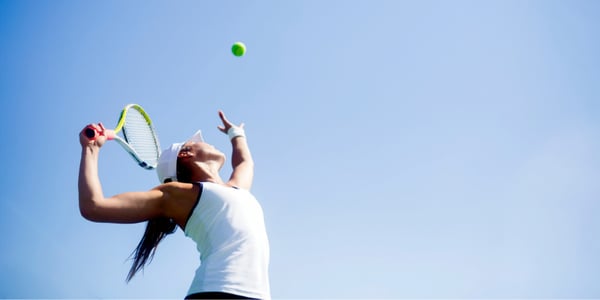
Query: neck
x,y
208,172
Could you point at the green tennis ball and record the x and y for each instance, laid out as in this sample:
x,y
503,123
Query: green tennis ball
x,y
238,49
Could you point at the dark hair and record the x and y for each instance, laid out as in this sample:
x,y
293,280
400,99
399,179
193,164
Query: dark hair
x,y
156,230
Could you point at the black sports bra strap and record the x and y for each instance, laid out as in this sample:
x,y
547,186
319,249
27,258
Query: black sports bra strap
x,y
200,188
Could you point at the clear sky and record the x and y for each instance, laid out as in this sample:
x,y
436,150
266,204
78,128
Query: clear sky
x,y
404,149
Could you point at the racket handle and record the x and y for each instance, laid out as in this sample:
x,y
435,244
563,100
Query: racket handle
x,y
90,133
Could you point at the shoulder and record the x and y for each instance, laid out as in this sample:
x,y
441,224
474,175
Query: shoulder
x,y
179,199
176,187
173,193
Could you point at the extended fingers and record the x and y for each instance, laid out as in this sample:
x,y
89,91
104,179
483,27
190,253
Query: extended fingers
x,y
94,130
226,123
224,118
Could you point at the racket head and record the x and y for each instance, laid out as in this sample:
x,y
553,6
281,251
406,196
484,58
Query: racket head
x,y
139,136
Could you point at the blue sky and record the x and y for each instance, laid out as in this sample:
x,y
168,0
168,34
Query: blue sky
x,y
404,149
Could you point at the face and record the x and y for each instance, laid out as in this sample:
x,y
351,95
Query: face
x,y
201,152
191,158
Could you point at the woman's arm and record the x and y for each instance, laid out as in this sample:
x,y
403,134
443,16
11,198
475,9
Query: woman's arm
x,y
241,158
123,208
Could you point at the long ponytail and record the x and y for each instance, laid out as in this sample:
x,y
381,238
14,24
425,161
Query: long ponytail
x,y
156,230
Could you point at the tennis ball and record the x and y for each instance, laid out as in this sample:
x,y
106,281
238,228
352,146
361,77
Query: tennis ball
x,y
238,49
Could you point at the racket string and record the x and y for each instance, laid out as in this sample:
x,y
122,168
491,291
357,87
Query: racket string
x,y
140,135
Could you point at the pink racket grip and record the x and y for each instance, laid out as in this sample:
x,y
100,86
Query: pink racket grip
x,y
92,133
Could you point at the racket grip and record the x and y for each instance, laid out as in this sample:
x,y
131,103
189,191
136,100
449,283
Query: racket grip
x,y
90,133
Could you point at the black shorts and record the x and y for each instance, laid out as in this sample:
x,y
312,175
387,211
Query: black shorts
x,y
215,295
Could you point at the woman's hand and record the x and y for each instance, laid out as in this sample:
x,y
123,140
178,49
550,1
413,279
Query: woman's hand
x,y
96,141
226,123
241,159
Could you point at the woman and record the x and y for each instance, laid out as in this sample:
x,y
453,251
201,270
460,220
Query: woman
x,y
223,218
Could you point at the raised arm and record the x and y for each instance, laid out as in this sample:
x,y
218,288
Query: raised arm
x,y
123,208
241,159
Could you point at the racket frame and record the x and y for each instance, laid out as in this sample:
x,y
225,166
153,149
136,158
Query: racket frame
x,y
112,135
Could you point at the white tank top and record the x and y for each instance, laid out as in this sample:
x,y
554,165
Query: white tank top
x,y
228,227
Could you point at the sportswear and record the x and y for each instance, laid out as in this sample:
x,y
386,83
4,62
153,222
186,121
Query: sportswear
x,y
228,227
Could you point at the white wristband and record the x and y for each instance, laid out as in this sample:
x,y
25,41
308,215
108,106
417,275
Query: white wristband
x,y
234,132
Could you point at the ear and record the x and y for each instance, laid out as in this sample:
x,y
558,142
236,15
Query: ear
x,y
184,154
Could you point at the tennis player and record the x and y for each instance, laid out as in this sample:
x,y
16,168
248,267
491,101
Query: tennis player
x,y
222,217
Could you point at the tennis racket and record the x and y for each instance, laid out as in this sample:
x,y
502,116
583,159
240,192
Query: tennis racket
x,y
139,138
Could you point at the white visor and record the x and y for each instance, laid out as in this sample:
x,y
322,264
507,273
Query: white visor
x,y
167,162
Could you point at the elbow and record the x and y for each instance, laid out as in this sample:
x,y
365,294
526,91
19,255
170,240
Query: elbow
x,y
249,166
86,213
246,164
89,212
249,161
